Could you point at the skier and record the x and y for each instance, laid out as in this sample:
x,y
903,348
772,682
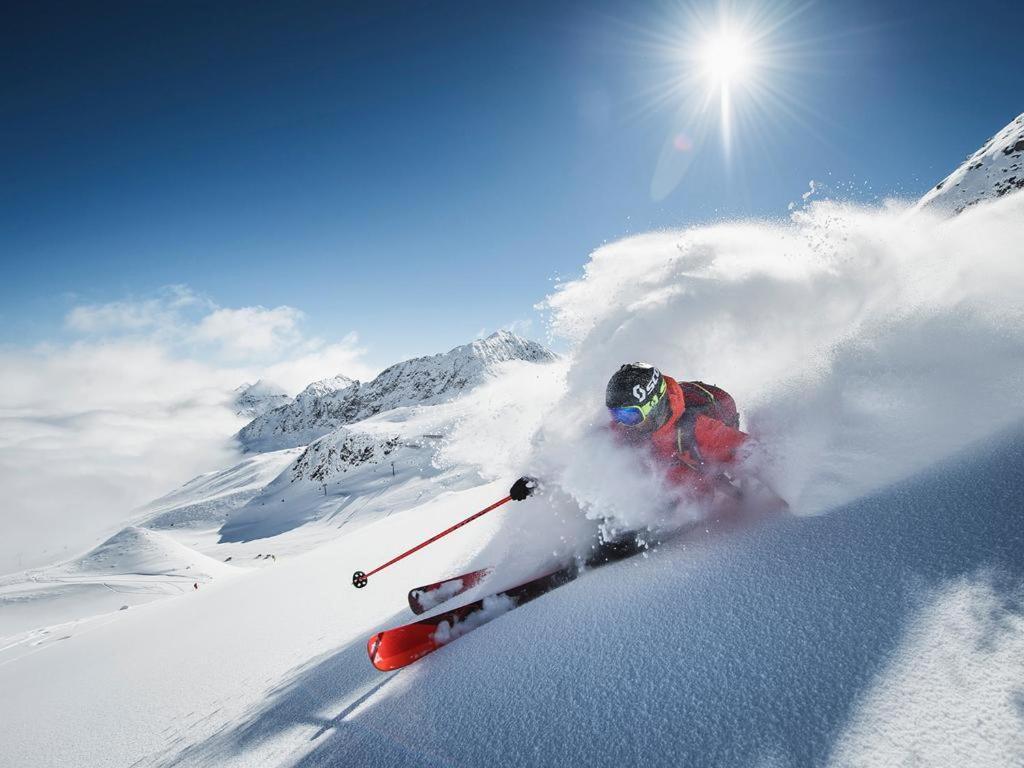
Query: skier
x,y
692,428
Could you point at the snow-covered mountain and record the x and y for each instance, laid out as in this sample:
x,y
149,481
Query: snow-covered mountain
x,y
347,451
326,405
252,400
993,171
319,408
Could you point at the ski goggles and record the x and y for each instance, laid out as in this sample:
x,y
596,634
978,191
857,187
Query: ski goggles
x,y
632,415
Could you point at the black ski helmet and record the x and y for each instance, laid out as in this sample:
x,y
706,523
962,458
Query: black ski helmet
x,y
635,384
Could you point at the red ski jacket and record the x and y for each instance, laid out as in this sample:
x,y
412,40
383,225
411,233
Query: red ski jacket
x,y
696,443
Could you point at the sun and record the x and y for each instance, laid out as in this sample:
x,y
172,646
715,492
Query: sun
x,y
726,57
728,67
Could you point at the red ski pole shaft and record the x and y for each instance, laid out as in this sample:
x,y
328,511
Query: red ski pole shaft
x,y
359,578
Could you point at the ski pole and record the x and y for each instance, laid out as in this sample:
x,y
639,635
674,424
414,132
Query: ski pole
x,y
359,579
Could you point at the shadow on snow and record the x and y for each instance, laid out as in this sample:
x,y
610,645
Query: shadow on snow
x,y
736,650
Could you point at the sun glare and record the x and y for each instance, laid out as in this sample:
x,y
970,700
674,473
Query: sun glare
x,y
726,57
727,60
725,68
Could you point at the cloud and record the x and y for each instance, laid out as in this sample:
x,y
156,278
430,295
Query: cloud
x,y
250,331
136,403
345,356
161,313
92,430
255,340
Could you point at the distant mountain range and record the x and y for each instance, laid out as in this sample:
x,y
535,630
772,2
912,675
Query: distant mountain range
x,y
326,405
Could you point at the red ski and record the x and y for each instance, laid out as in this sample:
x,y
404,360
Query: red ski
x,y
401,646
428,597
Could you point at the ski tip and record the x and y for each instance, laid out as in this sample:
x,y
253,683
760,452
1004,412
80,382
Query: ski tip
x,y
396,648
372,646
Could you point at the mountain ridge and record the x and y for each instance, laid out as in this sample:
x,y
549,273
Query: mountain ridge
x,y
331,403
996,169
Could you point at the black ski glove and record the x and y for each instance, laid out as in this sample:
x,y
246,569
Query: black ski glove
x,y
523,487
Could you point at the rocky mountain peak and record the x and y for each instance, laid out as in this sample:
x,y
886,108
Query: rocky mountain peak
x,y
328,404
994,170
252,400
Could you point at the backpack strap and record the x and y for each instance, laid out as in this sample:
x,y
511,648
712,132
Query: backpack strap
x,y
686,437
707,392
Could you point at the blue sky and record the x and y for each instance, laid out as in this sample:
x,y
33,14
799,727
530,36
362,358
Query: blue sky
x,y
416,172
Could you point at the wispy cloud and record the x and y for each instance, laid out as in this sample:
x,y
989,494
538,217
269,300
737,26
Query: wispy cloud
x,y
162,314
137,402
242,333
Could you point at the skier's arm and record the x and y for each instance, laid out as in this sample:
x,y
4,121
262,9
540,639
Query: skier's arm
x,y
716,441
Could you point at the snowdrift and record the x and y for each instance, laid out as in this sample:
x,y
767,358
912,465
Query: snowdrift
x,y
888,631
143,552
133,567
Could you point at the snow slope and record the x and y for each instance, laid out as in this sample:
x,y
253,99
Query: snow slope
x,y
146,553
348,479
887,631
993,171
324,406
133,567
208,500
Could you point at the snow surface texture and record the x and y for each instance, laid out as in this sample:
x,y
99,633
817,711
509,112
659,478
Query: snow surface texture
x,y
326,405
133,567
993,171
839,640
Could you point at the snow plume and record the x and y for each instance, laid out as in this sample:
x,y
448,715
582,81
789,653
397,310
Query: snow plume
x,y
502,415
861,344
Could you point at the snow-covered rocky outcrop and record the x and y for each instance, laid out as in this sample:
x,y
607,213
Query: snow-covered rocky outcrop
x,y
318,409
340,453
993,171
326,405
252,400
